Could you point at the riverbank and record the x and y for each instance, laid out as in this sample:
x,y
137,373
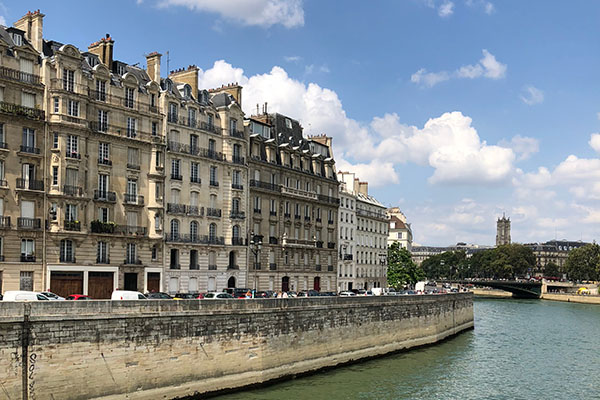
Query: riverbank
x,y
571,298
492,293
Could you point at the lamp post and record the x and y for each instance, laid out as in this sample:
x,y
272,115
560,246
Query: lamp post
x,y
255,246
382,261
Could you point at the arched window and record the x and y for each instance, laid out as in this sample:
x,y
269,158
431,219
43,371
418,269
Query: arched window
x,y
194,231
212,232
231,282
174,229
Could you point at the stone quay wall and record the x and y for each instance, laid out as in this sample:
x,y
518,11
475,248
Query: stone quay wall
x,y
166,349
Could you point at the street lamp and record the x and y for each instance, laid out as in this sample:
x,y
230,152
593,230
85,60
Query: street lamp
x,y
255,246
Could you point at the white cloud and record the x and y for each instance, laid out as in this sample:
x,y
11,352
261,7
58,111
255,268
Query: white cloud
x,y
293,59
595,141
487,67
265,13
446,9
489,8
377,173
2,20
532,95
523,146
575,169
429,79
486,6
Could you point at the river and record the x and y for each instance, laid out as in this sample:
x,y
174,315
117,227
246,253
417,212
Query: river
x,y
519,349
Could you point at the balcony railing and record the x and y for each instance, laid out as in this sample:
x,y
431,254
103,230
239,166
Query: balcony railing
x,y
298,193
236,133
237,215
257,211
67,259
21,111
347,257
264,185
29,223
69,190
132,261
30,150
237,241
272,266
213,212
176,177
195,179
103,195
72,226
175,208
195,210
317,267
238,160
319,244
212,267
214,183
73,154
328,199
194,239
102,260
27,257
4,221
372,214
19,76
237,186
112,228
134,199
210,128
331,245
104,161
273,240
330,268
232,266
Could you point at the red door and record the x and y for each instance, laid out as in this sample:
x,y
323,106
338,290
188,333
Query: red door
x,y
317,284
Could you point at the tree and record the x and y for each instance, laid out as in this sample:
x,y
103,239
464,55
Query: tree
x,y
401,268
583,263
552,270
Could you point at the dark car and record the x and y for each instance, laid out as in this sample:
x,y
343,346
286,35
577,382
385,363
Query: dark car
x,y
78,297
185,296
238,293
158,296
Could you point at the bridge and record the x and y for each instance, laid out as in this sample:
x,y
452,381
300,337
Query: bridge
x,y
522,289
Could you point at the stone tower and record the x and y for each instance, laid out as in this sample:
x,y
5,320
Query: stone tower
x,y
502,231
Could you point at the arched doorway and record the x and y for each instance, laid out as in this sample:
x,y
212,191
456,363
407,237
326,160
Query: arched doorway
x,y
231,282
285,284
317,284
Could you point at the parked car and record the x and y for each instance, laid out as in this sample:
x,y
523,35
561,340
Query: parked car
x,y
218,296
302,294
329,294
127,295
347,293
238,293
185,296
52,296
292,293
158,296
22,295
78,297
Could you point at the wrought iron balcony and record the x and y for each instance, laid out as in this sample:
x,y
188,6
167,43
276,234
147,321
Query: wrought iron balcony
x,y
29,223
210,128
214,183
264,185
112,228
317,267
212,267
273,240
287,215
237,215
21,111
319,244
132,261
237,241
20,76
238,160
347,257
331,245
231,266
237,186
30,150
330,268
195,179
175,208
27,257
195,210
72,225
194,238
134,199
172,117
67,258
176,177
329,199
236,133
104,195
257,211
73,154
272,266
133,166
4,221
75,191
213,212
104,161
273,213
174,266
30,184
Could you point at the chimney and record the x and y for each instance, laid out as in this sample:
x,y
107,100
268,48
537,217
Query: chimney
x,y
189,76
363,188
32,23
153,66
103,48
235,91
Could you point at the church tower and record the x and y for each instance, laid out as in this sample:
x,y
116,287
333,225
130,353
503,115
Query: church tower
x,y
502,231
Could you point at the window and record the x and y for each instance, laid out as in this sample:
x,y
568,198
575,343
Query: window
x,y
72,175
172,112
102,253
194,173
174,229
213,176
29,139
68,80
54,175
18,39
273,206
157,223
288,123
71,212
193,265
103,152
73,108
210,121
175,196
194,199
212,232
102,185
129,97
56,103
67,253
175,169
193,231
102,121
53,211
159,159
154,128
73,146
26,281
157,191
257,206
212,146
131,127
193,144
232,125
152,99
235,205
236,179
191,117
101,90
154,253
131,187
27,250
133,158
103,214
131,254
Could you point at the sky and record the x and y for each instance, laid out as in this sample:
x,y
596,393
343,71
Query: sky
x,y
456,111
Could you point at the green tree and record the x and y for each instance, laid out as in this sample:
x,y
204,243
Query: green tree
x,y
402,269
583,263
552,270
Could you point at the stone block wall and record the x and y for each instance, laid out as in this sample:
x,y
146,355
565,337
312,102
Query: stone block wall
x,y
156,349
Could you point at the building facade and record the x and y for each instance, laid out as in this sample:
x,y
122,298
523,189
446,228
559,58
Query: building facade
x,y
555,251
399,231
294,204
503,231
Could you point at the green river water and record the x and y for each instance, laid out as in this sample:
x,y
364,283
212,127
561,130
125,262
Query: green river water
x,y
519,349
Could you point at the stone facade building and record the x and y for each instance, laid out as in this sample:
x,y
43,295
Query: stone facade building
x,y
294,204
363,237
400,230
503,231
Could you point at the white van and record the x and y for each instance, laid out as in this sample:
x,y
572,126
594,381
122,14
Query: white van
x,y
22,295
127,295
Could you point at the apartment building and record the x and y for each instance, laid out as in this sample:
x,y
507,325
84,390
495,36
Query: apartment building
x,y
22,144
294,204
206,195
363,237
400,231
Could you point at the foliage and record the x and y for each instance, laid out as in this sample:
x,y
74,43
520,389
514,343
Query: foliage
x,y
552,270
401,268
583,263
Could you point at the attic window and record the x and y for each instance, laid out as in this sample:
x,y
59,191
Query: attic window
x,y
18,39
92,61
288,123
187,92
121,70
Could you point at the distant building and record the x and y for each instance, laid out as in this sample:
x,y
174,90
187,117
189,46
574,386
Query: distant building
x,y
502,231
400,231
422,253
556,251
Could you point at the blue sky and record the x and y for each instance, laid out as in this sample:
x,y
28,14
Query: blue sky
x,y
454,110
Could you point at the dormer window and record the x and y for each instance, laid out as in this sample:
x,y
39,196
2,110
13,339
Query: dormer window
x,y
17,38
288,123
187,92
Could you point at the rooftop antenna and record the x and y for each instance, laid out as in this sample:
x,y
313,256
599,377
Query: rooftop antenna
x,y
257,112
